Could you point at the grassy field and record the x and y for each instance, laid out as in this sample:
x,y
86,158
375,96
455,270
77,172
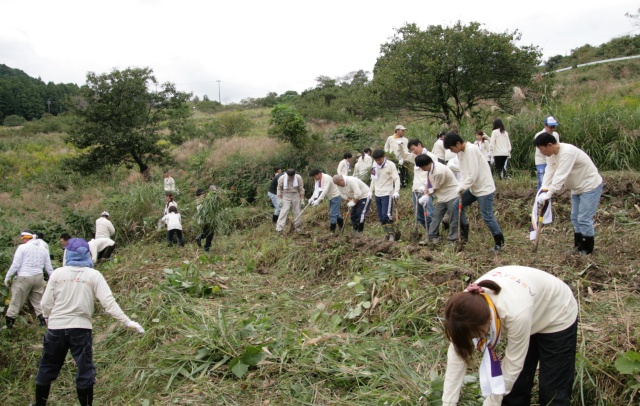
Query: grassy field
x,y
316,318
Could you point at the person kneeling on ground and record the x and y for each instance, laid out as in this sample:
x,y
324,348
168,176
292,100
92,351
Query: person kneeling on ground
x,y
68,304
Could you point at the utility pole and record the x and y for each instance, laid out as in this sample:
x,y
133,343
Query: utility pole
x,y
219,100
49,105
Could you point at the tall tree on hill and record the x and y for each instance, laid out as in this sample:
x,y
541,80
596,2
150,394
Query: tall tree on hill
x,y
443,72
120,118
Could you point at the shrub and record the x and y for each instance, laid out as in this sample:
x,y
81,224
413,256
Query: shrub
x,y
14,121
288,125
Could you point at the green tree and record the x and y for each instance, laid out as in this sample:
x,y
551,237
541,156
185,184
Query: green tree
x,y
120,118
288,125
443,72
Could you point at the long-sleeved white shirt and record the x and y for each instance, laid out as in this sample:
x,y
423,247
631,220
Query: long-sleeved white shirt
x,y
169,184
386,181
69,296
391,145
325,187
572,168
167,205
483,146
173,221
500,145
354,188
531,301
438,149
30,259
444,182
344,167
419,176
540,158
475,173
363,166
104,228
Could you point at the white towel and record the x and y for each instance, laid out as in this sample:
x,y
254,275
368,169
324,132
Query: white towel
x,y
491,379
286,182
547,217
374,169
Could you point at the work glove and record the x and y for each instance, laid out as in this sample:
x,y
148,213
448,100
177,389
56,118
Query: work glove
x,y
460,190
492,161
351,203
7,282
315,203
543,197
311,199
399,142
279,203
136,326
396,196
401,161
423,200
430,190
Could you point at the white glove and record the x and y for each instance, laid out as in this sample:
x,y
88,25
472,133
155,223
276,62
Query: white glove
x,y
7,282
136,326
399,142
400,161
396,195
492,161
460,190
543,197
315,203
351,203
423,200
279,203
311,200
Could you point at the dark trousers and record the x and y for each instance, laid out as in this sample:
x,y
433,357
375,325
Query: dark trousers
x,y
359,211
177,233
557,355
56,344
500,162
384,206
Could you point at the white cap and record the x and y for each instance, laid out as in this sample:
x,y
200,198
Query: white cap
x,y
104,213
400,127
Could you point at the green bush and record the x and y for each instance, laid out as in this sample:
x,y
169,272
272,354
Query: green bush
x,y
232,123
288,125
13,121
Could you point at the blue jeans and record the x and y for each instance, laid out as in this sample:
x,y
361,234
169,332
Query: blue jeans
x,y
419,209
486,210
438,214
384,206
274,202
583,209
540,173
334,209
56,344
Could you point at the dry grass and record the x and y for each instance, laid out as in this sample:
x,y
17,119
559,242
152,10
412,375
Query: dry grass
x,y
223,148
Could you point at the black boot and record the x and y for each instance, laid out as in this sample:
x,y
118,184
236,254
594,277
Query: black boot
x,y
274,218
199,240
43,322
577,243
42,394
464,230
10,322
85,396
587,245
332,228
340,223
106,256
499,243
361,227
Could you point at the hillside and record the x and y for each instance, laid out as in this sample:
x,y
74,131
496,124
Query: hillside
x,y
328,319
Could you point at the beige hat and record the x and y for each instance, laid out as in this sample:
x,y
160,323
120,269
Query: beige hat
x,y
400,127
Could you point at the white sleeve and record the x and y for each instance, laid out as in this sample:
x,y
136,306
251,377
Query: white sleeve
x,y
106,299
453,377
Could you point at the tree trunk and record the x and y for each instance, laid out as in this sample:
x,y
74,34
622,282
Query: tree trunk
x,y
144,169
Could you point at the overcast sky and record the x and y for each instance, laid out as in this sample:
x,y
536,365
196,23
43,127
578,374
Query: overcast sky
x,y
253,47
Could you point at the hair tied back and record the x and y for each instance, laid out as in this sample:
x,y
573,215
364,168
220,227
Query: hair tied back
x,y
474,288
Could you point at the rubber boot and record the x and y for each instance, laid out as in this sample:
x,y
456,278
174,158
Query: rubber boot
x,y
361,228
499,243
340,223
274,218
43,322
42,395
587,245
106,256
577,243
464,230
356,229
85,396
332,228
10,322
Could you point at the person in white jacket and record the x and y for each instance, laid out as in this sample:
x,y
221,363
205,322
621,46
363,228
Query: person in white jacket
x,y
476,184
550,124
570,167
344,167
536,314
363,165
358,196
68,304
290,197
438,148
174,226
385,186
324,187
102,245
169,183
25,277
500,147
391,147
